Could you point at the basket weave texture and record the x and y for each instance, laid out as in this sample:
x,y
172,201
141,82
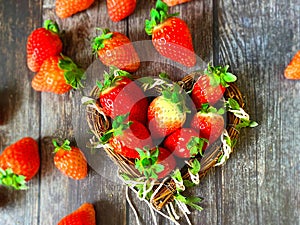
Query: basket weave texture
x,y
99,123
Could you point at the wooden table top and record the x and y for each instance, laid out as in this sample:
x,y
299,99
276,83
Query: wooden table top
x,y
260,182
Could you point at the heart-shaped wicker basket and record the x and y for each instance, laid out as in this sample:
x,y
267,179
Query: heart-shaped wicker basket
x,y
99,123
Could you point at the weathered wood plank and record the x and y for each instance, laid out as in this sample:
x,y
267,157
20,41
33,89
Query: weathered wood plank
x,y
19,104
60,117
260,182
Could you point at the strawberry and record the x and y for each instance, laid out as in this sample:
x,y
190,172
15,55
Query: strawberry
x,y
66,8
58,74
170,35
115,49
43,43
84,215
120,9
156,163
126,137
19,162
210,87
209,122
184,143
175,2
292,71
167,113
120,95
70,160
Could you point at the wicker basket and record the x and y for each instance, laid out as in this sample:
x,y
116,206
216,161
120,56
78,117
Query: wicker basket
x,y
99,123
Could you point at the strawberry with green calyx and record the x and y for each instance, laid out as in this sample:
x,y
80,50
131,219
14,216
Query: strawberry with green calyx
x,y
185,143
43,43
9,179
70,160
120,95
167,113
170,35
210,87
210,123
125,137
156,163
58,74
19,162
115,49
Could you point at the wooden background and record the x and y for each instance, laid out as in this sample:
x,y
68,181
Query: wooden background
x,y
259,185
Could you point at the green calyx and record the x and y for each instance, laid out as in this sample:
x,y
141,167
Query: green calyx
x,y
9,179
147,164
174,94
118,126
158,15
51,26
111,77
219,75
207,108
65,146
98,42
72,73
190,201
195,146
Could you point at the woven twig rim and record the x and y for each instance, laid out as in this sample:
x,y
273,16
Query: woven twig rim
x,y
99,123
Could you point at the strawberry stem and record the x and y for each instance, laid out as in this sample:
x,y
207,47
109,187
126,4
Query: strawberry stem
x,y
9,179
98,42
157,16
65,146
51,26
72,73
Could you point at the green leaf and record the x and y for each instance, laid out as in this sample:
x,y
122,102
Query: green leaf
x,y
195,167
177,175
188,183
229,77
233,104
51,26
98,42
10,179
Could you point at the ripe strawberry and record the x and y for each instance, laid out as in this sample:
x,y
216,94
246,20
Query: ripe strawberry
x,y
66,8
126,137
120,9
210,87
156,163
175,2
209,122
167,113
84,215
21,161
115,49
170,35
58,74
184,143
292,71
120,95
43,43
70,160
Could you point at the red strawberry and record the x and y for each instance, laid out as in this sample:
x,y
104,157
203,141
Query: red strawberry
x,y
115,49
184,143
43,43
58,74
70,160
292,71
120,9
167,113
120,95
21,161
175,2
209,122
156,163
84,215
210,87
66,8
126,137
170,35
